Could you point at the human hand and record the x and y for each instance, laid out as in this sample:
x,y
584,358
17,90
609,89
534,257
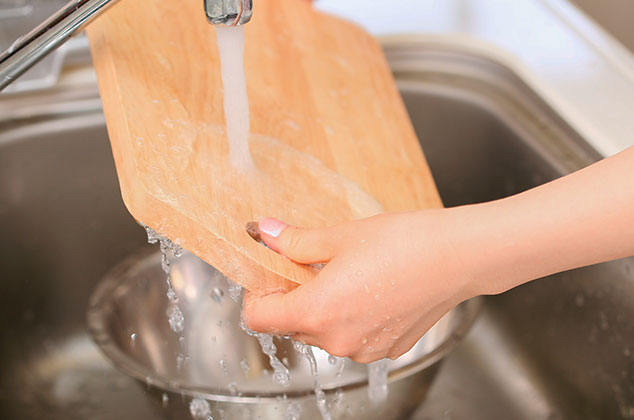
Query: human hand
x,y
387,280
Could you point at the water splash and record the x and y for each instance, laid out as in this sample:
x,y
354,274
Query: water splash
x,y
199,409
165,245
245,367
307,352
281,374
235,291
294,411
339,397
342,365
176,318
174,314
377,381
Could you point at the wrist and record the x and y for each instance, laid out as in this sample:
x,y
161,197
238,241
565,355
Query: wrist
x,y
488,244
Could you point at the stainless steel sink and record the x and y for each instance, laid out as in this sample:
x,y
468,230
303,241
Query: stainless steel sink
x,y
561,347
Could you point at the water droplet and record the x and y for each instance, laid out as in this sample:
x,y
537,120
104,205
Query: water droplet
x,y
603,321
342,365
245,366
199,409
133,338
580,300
180,360
223,365
235,291
217,295
338,396
165,399
171,295
332,359
176,319
233,388
364,340
293,411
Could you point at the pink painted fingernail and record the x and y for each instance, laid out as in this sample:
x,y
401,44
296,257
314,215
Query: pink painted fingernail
x,y
271,227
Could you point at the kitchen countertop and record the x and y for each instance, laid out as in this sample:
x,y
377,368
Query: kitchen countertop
x,y
579,69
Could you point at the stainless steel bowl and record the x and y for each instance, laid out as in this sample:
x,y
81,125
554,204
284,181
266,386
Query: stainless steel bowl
x,y
127,319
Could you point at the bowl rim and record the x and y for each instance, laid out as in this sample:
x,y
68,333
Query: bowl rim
x,y
98,306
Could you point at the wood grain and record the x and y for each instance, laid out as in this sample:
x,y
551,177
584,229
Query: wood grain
x,y
331,138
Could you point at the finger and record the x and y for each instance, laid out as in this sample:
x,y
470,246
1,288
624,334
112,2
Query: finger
x,y
306,246
306,339
271,314
366,357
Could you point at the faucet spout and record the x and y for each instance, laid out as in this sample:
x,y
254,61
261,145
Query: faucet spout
x,y
57,29
228,12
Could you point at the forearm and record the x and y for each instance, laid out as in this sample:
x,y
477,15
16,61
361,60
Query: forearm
x,y
581,219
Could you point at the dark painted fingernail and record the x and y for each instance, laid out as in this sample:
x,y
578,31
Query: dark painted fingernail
x,y
254,231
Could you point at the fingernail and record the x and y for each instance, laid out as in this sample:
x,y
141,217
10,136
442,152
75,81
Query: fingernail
x,y
253,230
271,227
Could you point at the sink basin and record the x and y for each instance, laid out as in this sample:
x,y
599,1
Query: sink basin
x,y
561,347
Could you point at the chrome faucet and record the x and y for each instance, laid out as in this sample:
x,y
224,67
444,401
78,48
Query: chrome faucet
x,y
228,12
29,49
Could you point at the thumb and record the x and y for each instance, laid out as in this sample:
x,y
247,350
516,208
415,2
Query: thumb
x,y
306,246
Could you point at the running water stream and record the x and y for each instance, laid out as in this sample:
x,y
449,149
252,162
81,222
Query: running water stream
x,y
236,106
236,102
174,314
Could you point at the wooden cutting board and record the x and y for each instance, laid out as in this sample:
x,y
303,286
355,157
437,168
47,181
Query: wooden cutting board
x,y
330,136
